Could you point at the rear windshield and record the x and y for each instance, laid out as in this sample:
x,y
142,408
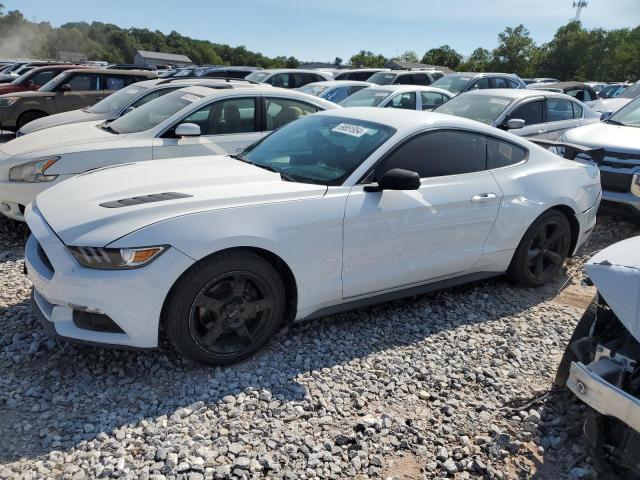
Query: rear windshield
x,y
312,89
368,97
482,108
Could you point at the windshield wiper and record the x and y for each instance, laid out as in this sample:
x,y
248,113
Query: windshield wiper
x,y
615,122
285,176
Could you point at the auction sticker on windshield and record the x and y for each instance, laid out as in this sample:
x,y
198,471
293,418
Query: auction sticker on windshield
x,y
190,97
352,130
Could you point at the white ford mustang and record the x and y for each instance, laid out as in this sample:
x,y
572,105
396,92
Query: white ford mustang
x,y
333,211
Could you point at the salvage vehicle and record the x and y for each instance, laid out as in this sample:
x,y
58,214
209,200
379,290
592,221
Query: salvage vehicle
x,y
225,72
578,90
288,78
619,136
601,365
334,90
610,105
334,211
187,122
405,77
34,79
408,97
21,68
458,83
125,100
526,113
359,74
70,90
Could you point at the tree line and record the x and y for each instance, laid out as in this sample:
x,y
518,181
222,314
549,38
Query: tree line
x,y
574,52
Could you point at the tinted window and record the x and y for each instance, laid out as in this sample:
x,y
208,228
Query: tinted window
x,y
431,100
558,110
152,96
41,78
502,154
281,111
577,110
236,115
404,100
530,112
421,79
479,84
279,80
300,79
437,154
406,79
116,82
580,94
482,108
83,82
514,84
500,83
382,78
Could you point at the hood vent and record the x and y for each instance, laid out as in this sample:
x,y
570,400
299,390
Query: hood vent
x,y
154,197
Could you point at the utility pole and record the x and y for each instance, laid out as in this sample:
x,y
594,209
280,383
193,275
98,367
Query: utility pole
x,y
579,5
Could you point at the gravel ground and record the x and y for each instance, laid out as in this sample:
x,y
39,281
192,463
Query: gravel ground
x,y
456,383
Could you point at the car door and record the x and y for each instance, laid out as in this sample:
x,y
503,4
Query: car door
x,y
560,116
396,239
83,90
532,112
227,126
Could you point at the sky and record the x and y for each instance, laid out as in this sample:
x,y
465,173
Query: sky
x,y
324,29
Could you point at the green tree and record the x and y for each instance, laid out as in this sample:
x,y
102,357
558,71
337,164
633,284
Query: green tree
x,y
478,61
368,59
514,52
408,56
443,56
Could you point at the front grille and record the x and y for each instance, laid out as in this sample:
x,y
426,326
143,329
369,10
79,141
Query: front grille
x,y
44,259
615,181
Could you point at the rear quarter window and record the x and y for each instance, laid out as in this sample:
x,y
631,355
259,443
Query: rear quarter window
x,y
503,154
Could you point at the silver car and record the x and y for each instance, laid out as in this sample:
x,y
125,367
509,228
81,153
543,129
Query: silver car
x,y
527,113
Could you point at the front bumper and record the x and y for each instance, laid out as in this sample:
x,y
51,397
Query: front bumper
x,y
132,299
603,397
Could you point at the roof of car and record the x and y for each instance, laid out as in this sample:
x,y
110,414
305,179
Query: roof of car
x,y
565,85
410,88
339,83
144,73
289,70
484,74
513,92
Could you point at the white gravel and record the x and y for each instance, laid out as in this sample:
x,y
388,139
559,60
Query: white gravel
x,y
456,383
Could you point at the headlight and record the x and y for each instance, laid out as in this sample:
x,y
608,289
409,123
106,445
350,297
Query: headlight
x,y
33,171
116,258
635,184
8,101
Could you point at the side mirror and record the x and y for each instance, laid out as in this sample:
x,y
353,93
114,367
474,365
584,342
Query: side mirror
x,y
128,110
188,130
605,116
396,179
515,123
65,88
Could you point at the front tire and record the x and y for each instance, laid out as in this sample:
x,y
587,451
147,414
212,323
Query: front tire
x,y
225,308
542,250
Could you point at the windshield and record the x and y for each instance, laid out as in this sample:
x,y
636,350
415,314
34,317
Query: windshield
x,y
311,89
632,92
22,78
318,149
184,73
368,97
257,76
382,78
151,114
454,83
482,108
628,116
51,85
117,100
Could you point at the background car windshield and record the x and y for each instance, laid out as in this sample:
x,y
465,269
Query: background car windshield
x,y
51,85
482,108
369,97
117,100
319,149
382,78
313,89
632,92
454,83
629,115
21,78
151,114
257,76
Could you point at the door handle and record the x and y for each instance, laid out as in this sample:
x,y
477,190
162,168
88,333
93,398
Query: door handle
x,y
483,197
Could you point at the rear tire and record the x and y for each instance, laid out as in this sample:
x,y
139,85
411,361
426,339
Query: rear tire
x,y
542,250
225,308
28,117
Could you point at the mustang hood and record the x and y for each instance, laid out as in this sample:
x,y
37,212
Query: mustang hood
x,y
615,271
62,139
610,137
75,208
65,118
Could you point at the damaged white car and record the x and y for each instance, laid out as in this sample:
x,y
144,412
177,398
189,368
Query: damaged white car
x,y
601,364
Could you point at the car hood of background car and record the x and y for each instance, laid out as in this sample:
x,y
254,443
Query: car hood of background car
x,y
65,118
608,104
73,207
615,271
59,140
605,135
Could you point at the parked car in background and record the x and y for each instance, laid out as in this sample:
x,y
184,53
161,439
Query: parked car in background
x,y
578,90
188,122
34,79
130,66
405,77
619,136
179,72
334,211
225,72
21,68
409,97
360,74
457,83
526,113
70,90
612,90
601,364
288,78
126,100
597,86
530,81
334,90
610,105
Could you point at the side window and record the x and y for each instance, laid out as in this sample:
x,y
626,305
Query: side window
x,y
577,110
403,100
498,82
116,82
530,112
83,82
480,84
281,111
317,78
236,115
431,100
152,96
43,77
337,94
502,154
437,154
579,94
421,79
558,110
404,79
301,79
280,80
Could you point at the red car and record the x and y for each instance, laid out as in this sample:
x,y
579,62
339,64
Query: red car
x,y
34,78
